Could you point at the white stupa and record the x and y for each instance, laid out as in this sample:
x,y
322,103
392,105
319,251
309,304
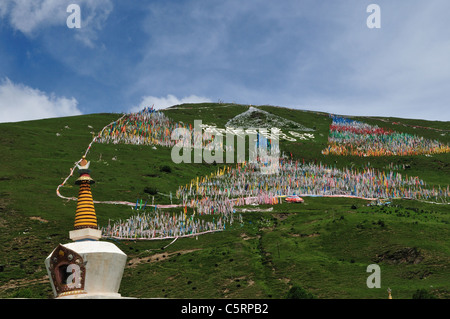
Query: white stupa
x,y
86,267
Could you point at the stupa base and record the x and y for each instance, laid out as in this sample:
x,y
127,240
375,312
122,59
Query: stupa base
x,y
85,234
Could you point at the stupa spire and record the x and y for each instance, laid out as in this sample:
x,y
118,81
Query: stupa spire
x,y
85,225
85,216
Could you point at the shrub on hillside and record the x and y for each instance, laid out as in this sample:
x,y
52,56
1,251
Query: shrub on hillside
x,y
151,190
297,292
166,168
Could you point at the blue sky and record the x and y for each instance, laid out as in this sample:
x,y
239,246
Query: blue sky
x,y
314,55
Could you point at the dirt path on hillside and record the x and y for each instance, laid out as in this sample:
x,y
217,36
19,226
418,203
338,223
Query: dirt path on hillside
x,y
157,257
21,283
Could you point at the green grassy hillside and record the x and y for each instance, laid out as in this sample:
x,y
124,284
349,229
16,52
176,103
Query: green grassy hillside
x,y
323,245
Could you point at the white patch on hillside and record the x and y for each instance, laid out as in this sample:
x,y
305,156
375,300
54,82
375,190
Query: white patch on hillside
x,y
256,118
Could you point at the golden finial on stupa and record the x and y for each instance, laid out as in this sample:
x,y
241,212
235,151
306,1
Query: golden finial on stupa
x,y
389,292
83,164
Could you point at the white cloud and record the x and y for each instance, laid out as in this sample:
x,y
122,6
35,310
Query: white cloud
x,y
19,102
164,102
27,16
32,17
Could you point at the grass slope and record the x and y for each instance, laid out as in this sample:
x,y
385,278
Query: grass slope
x,y
323,245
